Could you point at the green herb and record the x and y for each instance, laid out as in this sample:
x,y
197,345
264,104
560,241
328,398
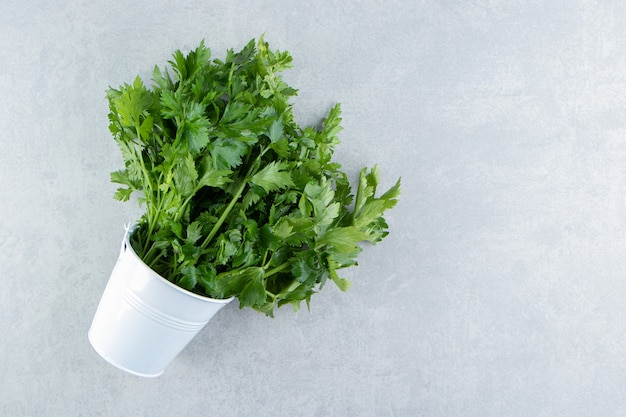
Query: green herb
x,y
239,199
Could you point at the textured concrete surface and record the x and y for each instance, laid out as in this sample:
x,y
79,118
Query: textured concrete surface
x,y
501,290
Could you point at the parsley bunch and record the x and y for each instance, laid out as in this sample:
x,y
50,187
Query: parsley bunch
x,y
240,200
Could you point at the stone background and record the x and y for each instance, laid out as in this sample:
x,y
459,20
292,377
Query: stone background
x,y
500,291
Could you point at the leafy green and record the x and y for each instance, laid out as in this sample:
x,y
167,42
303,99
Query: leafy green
x,y
272,177
239,199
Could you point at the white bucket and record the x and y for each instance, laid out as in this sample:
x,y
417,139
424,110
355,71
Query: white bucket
x,y
143,321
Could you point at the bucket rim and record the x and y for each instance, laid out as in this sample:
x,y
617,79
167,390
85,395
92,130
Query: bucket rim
x,y
130,250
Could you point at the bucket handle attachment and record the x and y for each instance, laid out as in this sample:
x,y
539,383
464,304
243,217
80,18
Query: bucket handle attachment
x,y
124,246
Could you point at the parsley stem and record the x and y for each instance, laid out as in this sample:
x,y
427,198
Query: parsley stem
x,y
225,214
233,201
277,269
292,286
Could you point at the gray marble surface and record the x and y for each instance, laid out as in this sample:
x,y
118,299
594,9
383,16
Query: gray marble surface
x,y
500,291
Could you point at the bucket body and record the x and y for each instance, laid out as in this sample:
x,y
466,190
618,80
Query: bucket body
x,y
143,321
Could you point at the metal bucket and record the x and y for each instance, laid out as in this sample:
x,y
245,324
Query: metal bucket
x,y
143,321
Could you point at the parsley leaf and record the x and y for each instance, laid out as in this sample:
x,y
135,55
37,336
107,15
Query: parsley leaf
x,y
274,176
